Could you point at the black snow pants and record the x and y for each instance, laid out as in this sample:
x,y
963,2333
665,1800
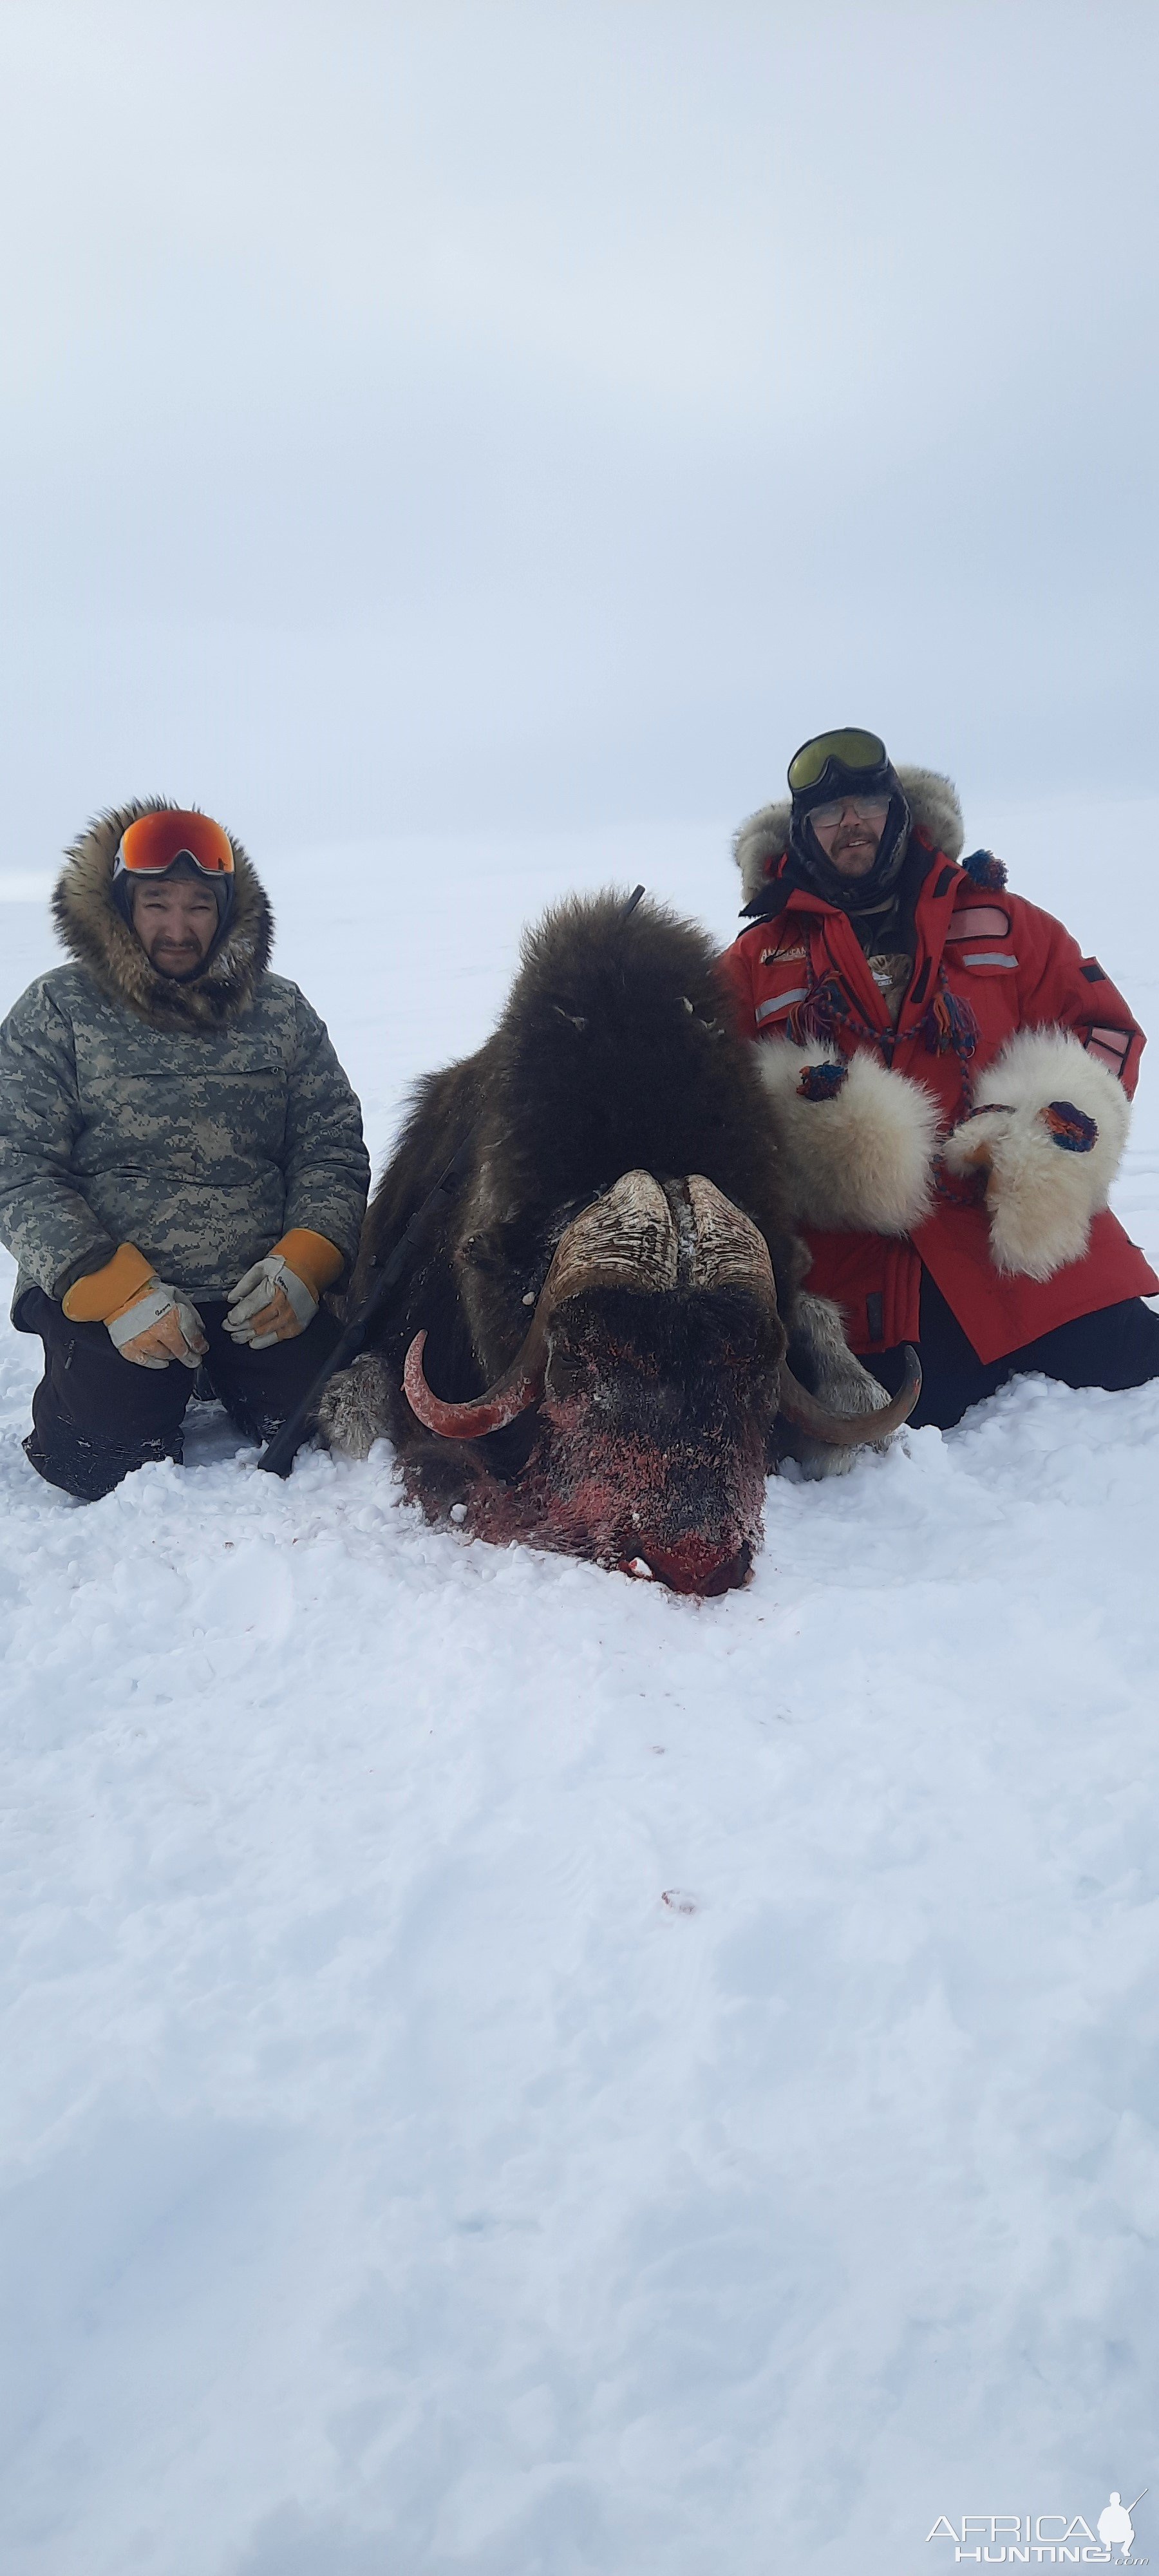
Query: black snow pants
x,y
1117,1347
95,1416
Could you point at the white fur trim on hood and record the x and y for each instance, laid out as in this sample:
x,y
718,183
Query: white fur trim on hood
x,y
860,1162
1041,1197
932,800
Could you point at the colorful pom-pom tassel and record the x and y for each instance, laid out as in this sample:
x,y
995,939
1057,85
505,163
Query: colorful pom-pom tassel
x,y
822,1081
985,870
1070,1127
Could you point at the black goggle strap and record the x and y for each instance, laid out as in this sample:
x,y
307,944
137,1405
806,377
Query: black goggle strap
x,y
143,876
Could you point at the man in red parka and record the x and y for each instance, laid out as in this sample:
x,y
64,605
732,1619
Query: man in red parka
x,y
954,1080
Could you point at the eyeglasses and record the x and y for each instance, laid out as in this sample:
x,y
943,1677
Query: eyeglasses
x,y
154,841
868,809
854,750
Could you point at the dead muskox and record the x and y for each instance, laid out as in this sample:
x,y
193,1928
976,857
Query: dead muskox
x,y
600,1343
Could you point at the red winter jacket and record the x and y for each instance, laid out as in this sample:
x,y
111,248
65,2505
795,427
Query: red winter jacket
x,y
1017,969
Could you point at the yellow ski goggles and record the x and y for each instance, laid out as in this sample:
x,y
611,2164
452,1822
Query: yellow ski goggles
x,y
855,750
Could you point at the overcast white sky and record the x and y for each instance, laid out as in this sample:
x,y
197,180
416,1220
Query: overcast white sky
x,y
523,415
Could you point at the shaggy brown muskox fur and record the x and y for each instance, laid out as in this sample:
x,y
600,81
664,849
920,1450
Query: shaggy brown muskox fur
x,y
658,1419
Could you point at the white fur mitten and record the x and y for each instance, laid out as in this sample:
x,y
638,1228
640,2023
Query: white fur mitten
x,y
858,1140
1048,1130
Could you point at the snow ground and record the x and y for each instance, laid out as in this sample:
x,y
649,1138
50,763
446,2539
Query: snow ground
x,y
511,2074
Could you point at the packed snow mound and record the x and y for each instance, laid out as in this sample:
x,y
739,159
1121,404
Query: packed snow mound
x,y
511,2071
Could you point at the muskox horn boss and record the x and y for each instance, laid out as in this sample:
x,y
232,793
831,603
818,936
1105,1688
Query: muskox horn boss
x,y
631,1239
626,1240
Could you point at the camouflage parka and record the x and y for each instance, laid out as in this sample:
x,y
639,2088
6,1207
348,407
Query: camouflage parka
x,y
199,1120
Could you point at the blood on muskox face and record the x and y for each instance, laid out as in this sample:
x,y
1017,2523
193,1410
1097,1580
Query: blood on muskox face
x,y
654,1429
652,1366
644,1391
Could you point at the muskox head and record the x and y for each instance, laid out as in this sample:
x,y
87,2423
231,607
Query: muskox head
x,y
655,1362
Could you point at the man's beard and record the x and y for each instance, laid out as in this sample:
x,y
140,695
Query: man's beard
x,y
863,845
807,864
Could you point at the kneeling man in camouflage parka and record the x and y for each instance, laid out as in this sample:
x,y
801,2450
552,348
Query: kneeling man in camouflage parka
x,y
182,1171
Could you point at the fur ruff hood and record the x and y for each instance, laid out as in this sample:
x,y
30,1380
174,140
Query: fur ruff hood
x,y
90,927
759,845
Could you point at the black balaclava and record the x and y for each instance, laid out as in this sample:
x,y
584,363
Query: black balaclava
x,y
807,864
220,886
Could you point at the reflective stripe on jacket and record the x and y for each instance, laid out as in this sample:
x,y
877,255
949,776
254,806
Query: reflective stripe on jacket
x,y
1015,968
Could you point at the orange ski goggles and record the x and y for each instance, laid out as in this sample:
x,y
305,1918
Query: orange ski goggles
x,y
154,841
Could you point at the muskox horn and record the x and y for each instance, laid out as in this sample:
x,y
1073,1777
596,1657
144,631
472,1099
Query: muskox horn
x,y
626,1240
730,1251
850,1430
511,1394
